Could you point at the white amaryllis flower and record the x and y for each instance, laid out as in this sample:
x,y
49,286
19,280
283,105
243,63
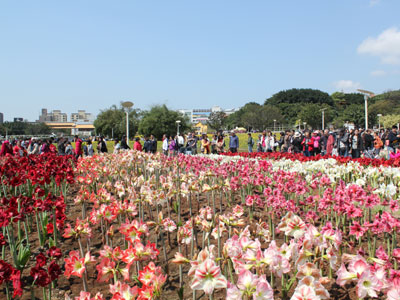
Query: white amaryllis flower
x,y
208,277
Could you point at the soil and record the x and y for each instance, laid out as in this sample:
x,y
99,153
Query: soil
x,y
73,286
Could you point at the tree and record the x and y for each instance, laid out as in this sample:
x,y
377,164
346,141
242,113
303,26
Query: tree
x,y
24,128
389,120
216,120
311,114
160,120
300,96
112,122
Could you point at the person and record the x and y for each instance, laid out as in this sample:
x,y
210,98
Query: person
x,y
316,143
263,141
323,142
308,144
69,150
233,142
368,140
137,145
205,144
44,148
165,144
61,146
90,150
250,142
147,145
190,144
330,143
214,144
270,142
78,147
378,144
297,142
220,144
6,149
153,144
33,147
124,145
259,143
342,142
52,147
286,142
281,140
180,143
172,146
392,139
356,144
18,150
102,146
117,146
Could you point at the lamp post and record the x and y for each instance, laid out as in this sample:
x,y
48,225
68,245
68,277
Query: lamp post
x,y
379,121
366,94
127,105
323,118
274,124
177,125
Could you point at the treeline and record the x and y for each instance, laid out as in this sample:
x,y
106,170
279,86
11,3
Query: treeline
x,y
296,106
24,128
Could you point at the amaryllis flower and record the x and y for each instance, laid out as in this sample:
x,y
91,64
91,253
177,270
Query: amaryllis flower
x,y
122,291
54,253
304,292
40,276
74,265
357,230
367,286
208,277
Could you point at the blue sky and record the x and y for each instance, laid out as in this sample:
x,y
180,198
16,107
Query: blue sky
x,y
72,55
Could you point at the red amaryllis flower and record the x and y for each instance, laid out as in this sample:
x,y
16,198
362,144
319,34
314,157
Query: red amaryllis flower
x,y
50,228
40,276
5,271
54,253
54,270
41,260
16,280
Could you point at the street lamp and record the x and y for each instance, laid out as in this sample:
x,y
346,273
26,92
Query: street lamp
x,y
379,121
127,105
274,124
323,118
177,124
366,94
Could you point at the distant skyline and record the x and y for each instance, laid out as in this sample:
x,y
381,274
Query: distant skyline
x,y
89,55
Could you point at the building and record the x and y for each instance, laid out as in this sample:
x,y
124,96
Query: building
x,y
201,115
76,129
55,116
1,118
82,117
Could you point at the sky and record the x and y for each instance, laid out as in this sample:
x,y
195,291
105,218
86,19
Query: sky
x,y
91,54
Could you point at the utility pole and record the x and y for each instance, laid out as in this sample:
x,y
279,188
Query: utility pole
x,y
323,118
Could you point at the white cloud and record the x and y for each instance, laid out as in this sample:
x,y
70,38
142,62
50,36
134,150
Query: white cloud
x,y
347,86
378,73
386,46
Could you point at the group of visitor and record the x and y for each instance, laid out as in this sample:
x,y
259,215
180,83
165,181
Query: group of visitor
x,y
190,144
60,146
345,142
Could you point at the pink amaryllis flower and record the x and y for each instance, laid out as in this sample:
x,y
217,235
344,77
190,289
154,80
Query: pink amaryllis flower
x,y
357,230
304,292
367,286
208,277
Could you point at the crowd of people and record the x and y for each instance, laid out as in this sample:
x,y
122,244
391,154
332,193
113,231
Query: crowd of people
x,y
345,142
